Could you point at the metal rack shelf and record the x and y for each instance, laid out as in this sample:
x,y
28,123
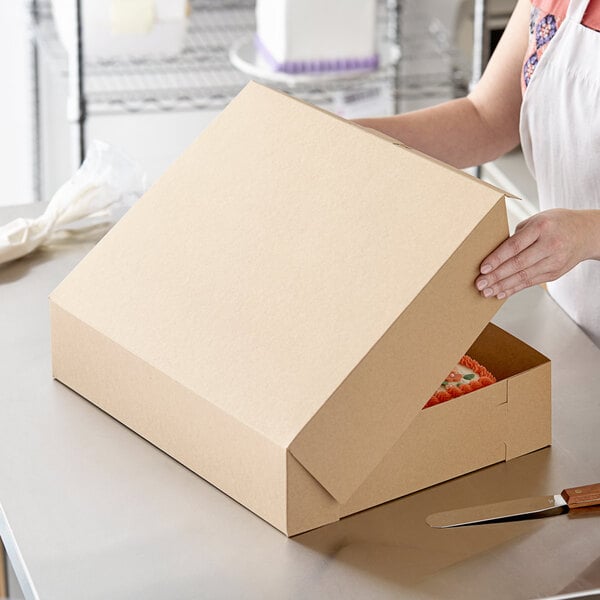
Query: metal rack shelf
x,y
200,77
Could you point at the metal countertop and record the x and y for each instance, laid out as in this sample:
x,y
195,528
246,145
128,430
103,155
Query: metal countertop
x,y
90,510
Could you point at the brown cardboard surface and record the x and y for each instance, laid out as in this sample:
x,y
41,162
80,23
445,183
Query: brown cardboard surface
x,y
259,254
251,469
443,441
3,585
387,390
309,505
493,424
530,413
503,353
283,245
277,309
529,388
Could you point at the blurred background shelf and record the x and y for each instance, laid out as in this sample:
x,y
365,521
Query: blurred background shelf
x,y
153,107
201,76
168,101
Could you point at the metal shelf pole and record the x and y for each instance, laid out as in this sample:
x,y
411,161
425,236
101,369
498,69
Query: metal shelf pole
x,y
395,36
35,104
77,106
481,41
481,44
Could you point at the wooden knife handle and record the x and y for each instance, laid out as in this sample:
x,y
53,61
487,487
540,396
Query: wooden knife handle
x,y
584,495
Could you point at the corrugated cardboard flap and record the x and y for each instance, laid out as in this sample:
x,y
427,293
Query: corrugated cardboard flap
x,y
365,416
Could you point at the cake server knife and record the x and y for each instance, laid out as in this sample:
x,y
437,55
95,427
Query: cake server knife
x,y
523,508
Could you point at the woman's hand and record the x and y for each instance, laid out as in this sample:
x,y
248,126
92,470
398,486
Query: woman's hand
x,y
543,248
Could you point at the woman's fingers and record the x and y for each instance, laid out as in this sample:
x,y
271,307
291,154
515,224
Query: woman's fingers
x,y
523,237
522,265
543,248
519,280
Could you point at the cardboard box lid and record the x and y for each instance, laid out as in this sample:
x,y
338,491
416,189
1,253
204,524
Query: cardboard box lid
x,y
271,258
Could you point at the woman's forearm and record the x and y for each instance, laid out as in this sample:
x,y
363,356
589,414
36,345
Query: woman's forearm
x,y
473,130
454,132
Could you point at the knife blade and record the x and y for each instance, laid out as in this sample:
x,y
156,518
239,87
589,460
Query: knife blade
x,y
522,508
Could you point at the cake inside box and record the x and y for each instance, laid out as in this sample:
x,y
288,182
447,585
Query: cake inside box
x,y
305,36
472,372
466,377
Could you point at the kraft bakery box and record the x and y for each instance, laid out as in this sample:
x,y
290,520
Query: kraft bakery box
x,y
277,309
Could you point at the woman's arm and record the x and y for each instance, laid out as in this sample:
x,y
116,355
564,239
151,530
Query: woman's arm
x,y
479,128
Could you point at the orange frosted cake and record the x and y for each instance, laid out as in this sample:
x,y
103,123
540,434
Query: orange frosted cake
x,y
467,376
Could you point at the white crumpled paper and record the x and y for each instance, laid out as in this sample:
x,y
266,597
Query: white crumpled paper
x,y
102,189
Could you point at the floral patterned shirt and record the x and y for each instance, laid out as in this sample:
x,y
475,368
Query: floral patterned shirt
x,y
546,18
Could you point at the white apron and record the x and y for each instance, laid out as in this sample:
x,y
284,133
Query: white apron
x,y
560,136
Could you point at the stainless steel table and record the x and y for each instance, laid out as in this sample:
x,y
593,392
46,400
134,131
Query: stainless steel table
x,y
90,510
